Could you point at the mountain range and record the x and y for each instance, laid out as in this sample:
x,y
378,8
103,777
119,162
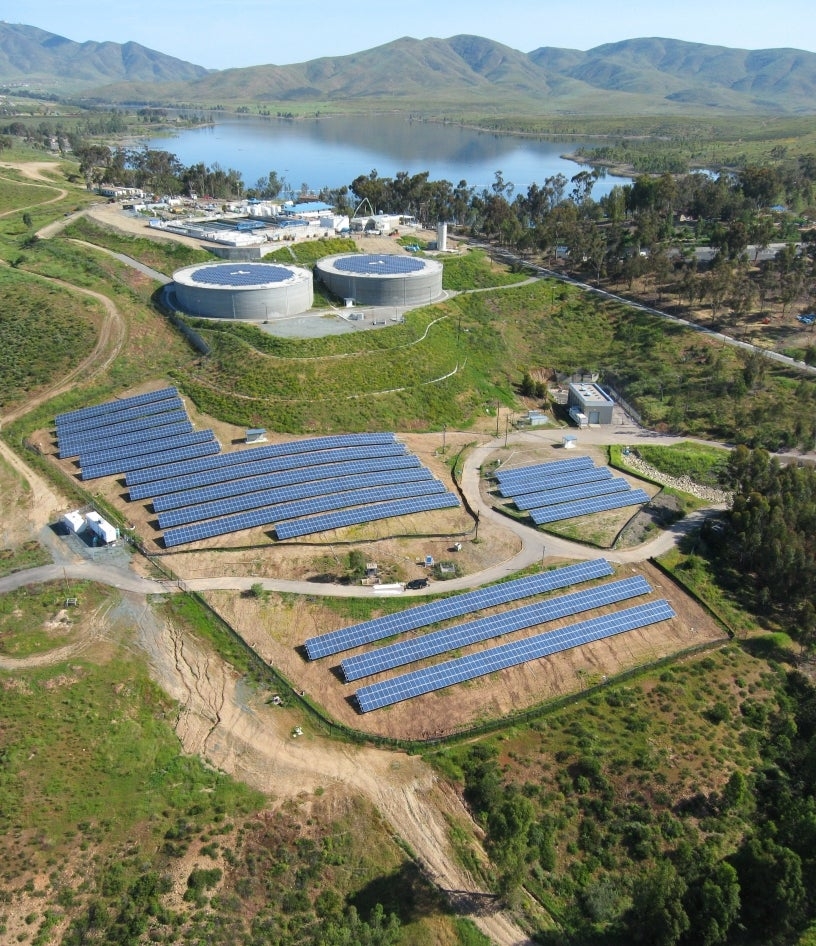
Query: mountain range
x,y
456,75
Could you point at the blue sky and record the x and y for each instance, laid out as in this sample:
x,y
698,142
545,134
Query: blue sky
x,y
221,34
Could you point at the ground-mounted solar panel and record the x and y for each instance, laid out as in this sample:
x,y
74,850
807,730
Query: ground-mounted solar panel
x,y
585,507
213,484
551,468
285,494
296,508
97,410
507,622
356,516
118,417
230,462
571,493
110,454
459,669
431,612
535,484
115,468
174,422
267,516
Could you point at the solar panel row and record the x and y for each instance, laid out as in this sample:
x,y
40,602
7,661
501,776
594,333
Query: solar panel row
x,y
554,468
406,464
112,406
229,463
95,455
155,459
350,517
252,454
160,425
482,629
118,417
457,670
583,507
535,484
304,507
276,495
432,612
261,517
552,497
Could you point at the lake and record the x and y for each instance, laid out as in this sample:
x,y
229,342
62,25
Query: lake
x,y
332,152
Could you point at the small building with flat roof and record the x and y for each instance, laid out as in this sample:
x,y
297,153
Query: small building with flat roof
x,y
591,400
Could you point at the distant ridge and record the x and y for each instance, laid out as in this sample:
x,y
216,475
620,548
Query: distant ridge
x,y
649,76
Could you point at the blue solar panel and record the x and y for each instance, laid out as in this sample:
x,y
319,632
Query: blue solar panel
x,y
286,494
96,454
165,425
269,451
241,274
570,493
120,417
334,642
583,507
351,517
295,508
159,459
334,464
535,484
378,264
554,468
507,622
108,407
457,670
261,517
402,469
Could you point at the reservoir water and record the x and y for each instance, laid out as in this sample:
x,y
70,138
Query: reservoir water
x,y
332,152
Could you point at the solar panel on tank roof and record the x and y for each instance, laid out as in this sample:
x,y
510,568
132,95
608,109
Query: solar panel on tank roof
x,y
378,264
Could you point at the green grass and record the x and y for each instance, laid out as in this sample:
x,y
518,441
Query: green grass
x,y
45,329
475,270
703,464
164,256
28,554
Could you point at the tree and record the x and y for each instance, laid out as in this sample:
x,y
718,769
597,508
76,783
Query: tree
x,y
657,915
712,904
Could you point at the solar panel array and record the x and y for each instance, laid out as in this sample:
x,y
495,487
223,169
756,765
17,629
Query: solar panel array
x,y
264,516
172,422
423,615
585,507
482,629
295,509
252,455
378,264
361,514
459,669
114,467
403,468
341,485
550,492
534,484
118,417
552,497
110,407
153,442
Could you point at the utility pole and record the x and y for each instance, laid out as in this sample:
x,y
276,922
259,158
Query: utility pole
x,y
506,426
498,411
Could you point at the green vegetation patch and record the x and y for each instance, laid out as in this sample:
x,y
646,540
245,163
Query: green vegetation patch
x,y
164,256
702,463
28,554
37,618
475,270
45,330
309,252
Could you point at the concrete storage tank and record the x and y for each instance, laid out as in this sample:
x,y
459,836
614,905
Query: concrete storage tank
x,y
382,279
248,291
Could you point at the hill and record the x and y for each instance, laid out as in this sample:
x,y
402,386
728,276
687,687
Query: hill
x,y
41,60
461,74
